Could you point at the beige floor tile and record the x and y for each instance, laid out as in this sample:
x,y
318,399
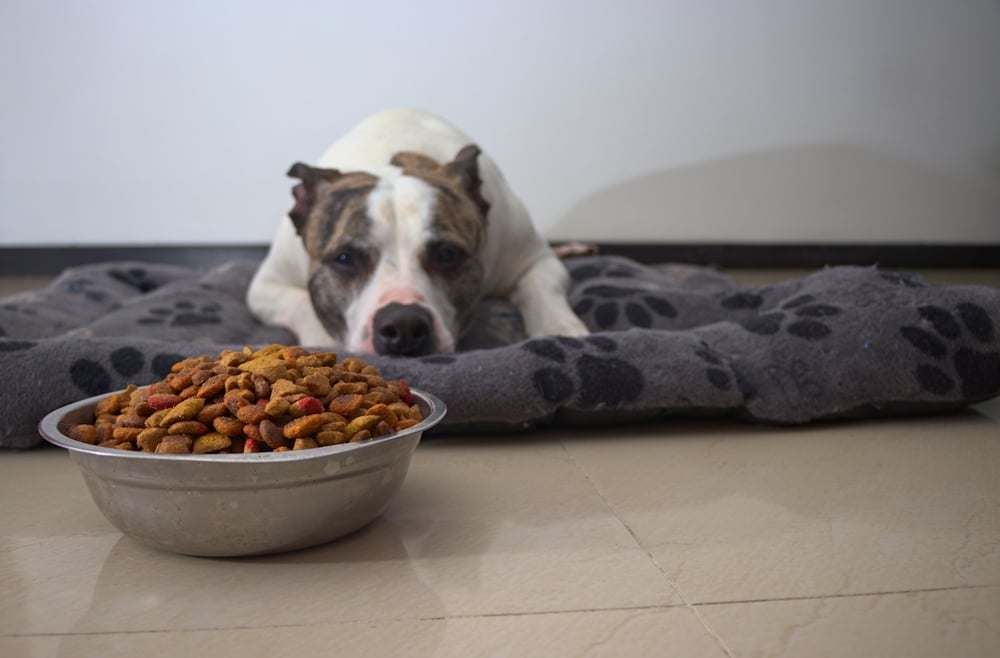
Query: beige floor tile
x,y
648,632
736,513
478,529
963,622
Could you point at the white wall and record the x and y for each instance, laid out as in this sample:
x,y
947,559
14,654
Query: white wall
x,y
129,121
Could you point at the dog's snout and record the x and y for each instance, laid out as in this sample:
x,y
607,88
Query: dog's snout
x,y
404,330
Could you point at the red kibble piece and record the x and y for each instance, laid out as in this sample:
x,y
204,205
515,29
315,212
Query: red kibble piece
x,y
160,401
309,405
407,395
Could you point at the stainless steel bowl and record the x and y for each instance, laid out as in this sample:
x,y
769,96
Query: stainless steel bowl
x,y
249,504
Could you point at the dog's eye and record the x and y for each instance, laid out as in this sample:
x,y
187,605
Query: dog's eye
x,y
445,256
347,261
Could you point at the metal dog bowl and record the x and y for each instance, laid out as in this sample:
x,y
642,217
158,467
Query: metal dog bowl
x,y
245,504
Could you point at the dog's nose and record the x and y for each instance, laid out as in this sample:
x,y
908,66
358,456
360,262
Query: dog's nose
x,y
404,330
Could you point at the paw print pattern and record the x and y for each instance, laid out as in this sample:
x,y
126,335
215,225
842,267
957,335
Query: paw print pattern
x,y
136,277
639,308
87,289
978,372
715,373
806,326
93,378
585,368
183,314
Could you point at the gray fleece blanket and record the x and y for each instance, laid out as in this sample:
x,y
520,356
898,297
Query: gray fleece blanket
x,y
843,342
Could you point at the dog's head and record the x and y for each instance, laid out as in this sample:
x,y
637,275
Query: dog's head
x,y
394,259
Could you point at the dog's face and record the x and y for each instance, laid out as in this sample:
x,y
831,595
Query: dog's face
x,y
394,260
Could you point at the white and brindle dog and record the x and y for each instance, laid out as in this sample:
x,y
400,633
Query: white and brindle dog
x,y
396,237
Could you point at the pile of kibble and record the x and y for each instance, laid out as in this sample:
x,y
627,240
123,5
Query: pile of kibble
x,y
272,399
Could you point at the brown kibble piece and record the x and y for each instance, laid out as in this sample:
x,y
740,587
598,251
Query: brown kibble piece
x,y
174,444
344,388
228,425
83,433
271,434
385,413
186,410
213,386
305,426
360,423
330,437
212,411
126,433
211,442
362,436
192,427
285,387
271,367
277,407
346,405
251,414
236,399
150,437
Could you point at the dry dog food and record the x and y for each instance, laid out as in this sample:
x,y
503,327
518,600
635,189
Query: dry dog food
x,y
273,399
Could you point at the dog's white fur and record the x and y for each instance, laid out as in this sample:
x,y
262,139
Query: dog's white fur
x,y
517,263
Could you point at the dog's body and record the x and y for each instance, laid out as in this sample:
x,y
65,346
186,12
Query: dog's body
x,y
393,242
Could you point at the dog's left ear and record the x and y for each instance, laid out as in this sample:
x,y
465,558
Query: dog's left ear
x,y
305,192
465,168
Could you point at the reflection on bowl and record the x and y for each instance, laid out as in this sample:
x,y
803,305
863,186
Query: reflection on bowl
x,y
242,504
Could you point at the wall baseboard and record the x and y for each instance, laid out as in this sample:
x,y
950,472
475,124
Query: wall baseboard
x,y
42,261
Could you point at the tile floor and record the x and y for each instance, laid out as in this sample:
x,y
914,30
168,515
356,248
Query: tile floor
x,y
682,538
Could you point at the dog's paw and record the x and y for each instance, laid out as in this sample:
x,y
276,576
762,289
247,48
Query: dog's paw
x,y
568,325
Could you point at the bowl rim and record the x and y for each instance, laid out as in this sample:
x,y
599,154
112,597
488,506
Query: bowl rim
x,y
50,429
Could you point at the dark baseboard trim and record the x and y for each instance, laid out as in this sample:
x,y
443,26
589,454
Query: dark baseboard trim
x,y
48,261
781,256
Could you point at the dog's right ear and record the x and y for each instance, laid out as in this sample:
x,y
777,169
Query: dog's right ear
x,y
305,192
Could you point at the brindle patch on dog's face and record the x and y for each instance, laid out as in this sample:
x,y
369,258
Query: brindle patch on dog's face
x,y
367,236
331,217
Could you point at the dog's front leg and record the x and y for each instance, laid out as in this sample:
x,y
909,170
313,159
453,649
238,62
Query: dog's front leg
x,y
290,307
540,295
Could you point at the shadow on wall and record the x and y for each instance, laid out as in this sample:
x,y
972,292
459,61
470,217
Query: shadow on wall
x,y
808,194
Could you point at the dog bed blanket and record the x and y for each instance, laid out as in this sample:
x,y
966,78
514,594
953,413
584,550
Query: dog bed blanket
x,y
843,342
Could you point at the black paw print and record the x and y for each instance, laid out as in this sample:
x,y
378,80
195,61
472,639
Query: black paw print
x,y
183,314
978,372
86,288
715,373
135,277
585,368
639,308
93,378
807,325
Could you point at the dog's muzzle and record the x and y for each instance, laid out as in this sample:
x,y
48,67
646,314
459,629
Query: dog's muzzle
x,y
403,330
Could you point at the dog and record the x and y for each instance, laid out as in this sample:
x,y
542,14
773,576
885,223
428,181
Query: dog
x,y
402,229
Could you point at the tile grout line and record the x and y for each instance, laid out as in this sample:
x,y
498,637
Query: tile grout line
x,y
490,615
346,622
673,585
852,595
